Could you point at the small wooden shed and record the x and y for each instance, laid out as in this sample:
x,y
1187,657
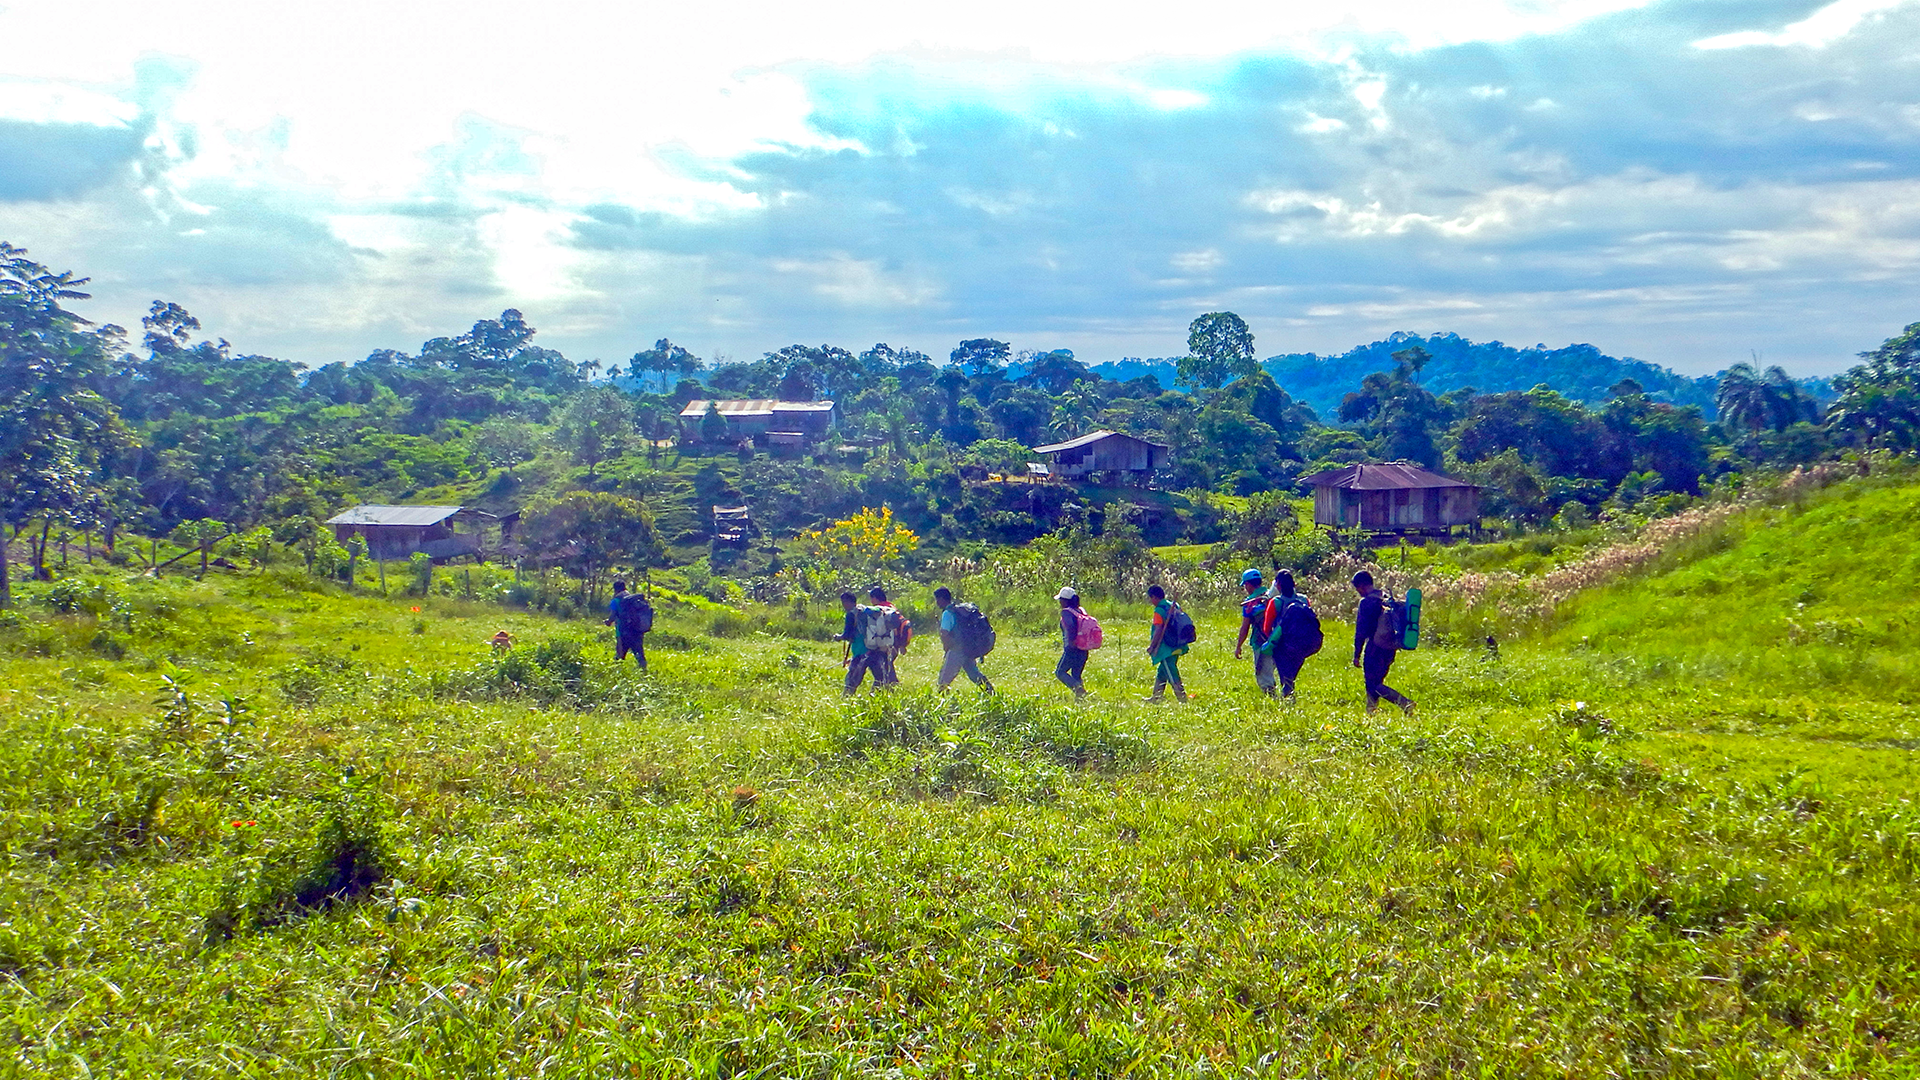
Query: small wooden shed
x,y
1104,452
400,532
733,525
1395,497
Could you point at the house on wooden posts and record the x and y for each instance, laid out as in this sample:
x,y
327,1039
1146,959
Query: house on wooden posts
x,y
733,525
1395,498
400,532
1104,452
786,424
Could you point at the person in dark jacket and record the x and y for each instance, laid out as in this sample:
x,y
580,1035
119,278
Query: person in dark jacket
x,y
1072,668
1287,659
1374,646
624,614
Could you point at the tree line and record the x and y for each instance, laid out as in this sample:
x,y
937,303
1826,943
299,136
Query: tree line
x,y
101,435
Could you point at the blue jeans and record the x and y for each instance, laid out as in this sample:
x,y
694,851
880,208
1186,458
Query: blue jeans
x,y
956,662
1072,668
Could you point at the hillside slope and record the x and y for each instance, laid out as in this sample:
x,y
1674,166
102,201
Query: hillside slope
x,y
1819,597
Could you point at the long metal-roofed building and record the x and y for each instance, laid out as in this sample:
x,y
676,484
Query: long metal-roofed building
x,y
400,532
760,419
1395,497
1104,452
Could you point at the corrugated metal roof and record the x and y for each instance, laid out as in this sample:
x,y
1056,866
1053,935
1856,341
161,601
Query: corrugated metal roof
x,y
753,407
1388,477
394,515
739,407
1092,437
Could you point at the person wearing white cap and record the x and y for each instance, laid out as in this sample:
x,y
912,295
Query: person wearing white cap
x,y
1075,644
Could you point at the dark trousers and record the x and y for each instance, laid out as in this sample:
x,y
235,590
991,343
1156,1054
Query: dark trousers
x,y
1287,666
1072,669
1375,662
637,645
858,667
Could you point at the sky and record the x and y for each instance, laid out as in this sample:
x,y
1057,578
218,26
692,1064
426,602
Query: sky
x,y
1692,184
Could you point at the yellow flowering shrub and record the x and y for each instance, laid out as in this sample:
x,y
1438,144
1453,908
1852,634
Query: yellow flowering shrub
x,y
868,539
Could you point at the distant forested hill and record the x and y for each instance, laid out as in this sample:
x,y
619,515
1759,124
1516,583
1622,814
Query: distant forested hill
x,y
1580,372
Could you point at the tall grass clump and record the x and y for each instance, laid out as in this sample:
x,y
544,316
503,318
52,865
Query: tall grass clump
x,y
989,748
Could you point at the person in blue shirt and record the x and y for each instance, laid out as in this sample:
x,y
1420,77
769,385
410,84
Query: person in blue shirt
x,y
1253,620
956,659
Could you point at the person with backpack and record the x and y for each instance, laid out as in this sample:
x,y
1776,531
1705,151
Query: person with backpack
x,y
631,617
898,632
966,635
1377,629
1079,636
1290,631
1173,634
1253,617
861,658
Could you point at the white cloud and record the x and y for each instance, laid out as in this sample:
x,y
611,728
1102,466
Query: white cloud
x,y
1822,28
41,102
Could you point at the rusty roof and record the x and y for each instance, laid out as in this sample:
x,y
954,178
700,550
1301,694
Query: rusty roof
x,y
1391,476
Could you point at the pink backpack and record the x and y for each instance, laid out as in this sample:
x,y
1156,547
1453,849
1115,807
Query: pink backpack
x,y
1086,631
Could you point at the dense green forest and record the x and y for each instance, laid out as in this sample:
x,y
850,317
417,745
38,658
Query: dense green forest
x,y
175,433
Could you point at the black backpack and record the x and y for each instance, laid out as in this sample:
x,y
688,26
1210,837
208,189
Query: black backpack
x,y
973,630
1391,631
632,615
1299,629
1180,629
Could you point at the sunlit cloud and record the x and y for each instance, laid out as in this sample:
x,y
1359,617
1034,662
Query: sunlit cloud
x,y
329,181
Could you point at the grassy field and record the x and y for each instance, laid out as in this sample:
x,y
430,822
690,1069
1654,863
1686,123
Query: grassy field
x,y
256,826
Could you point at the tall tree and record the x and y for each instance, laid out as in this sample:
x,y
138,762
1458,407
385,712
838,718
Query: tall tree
x,y
595,426
1879,402
980,356
665,360
1219,350
590,532
54,426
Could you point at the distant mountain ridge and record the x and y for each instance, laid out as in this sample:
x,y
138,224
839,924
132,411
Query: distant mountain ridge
x,y
1581,372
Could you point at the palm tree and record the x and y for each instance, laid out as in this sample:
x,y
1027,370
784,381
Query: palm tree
x,y
1742,399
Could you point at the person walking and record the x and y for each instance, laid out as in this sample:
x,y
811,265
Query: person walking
x,y
1074,645
1253,621
631,618
961,627
1374,644
860,660
886,671
1290,631
1165,649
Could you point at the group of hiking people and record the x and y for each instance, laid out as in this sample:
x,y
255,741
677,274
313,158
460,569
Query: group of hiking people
x,y
1275,619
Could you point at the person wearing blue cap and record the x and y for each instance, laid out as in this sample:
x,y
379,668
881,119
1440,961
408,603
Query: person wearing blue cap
x,y
1253,618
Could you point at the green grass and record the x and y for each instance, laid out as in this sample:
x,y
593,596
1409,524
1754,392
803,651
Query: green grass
x,y
723,869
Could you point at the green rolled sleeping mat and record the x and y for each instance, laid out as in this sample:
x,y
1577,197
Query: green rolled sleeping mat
x,y
1411,639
